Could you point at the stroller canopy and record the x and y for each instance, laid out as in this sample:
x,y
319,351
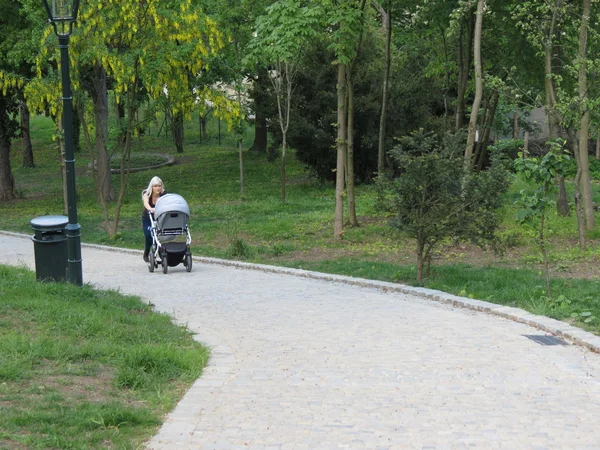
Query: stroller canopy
x,y
171,203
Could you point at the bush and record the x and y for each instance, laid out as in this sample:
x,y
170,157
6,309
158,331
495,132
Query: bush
x,y
436,198
508,148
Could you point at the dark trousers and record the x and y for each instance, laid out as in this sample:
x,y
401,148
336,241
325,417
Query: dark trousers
x,y
146,227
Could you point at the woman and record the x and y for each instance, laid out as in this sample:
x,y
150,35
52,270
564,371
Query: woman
x,y
150,195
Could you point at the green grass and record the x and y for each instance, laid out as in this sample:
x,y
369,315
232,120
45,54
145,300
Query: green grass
x,y
299,232
83,368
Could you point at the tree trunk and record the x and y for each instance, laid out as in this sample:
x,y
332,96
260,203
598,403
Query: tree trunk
x,y
386,19
125,144
545,255
241,153
260,118
420,259
516,125
483,146
342,133
7,182
562,201
577,189
260,133
102,166
352,220
478,84
177,130
464,68
238,89
584,130
598,146
26,136
203,135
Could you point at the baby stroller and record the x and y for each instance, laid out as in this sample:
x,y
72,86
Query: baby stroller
x,y
171,214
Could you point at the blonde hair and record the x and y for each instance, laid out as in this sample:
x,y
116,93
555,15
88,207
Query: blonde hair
x,y
153,182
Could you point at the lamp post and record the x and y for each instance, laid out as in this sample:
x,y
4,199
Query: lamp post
x,y
62,14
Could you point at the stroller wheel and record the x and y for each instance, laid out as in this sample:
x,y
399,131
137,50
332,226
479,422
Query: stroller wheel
x,y
188,262
165,265
151,261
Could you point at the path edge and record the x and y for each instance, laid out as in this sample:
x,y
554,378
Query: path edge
x,y
555,327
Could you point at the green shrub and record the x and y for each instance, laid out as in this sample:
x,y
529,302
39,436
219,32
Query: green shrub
x,y
436,198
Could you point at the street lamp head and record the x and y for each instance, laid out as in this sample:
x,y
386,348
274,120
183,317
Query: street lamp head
x,y
62,14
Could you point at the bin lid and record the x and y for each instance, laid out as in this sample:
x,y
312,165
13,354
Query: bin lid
x,y
49,222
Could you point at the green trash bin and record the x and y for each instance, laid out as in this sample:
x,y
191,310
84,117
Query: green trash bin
x,y
50,247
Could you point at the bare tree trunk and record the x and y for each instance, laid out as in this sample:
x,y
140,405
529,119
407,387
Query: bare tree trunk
x,y
125,162
584,130
464,68
478,83
26,135
384,98
260,119
352,220
420,258
100,99
577,189
342,133
447,79
562,202
545,255
203,119
483,145
177,130
282,84
240,138
7,182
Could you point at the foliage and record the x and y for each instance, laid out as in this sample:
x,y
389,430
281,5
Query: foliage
x,y
413,104
436,198
571,168
542,172
508,148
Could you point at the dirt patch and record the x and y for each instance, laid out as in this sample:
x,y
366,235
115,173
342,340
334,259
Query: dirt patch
x,y
9,444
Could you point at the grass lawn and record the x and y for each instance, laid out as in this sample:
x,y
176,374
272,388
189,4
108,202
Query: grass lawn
x,y
82,368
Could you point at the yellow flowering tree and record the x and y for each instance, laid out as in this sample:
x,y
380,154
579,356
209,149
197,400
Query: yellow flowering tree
x,y
134,52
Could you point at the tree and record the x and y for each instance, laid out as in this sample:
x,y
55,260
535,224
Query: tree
x,y
553,25
584,127
386,20
8,130
141,54
542,172
436,197
280,36
478,83
19,33
346,18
